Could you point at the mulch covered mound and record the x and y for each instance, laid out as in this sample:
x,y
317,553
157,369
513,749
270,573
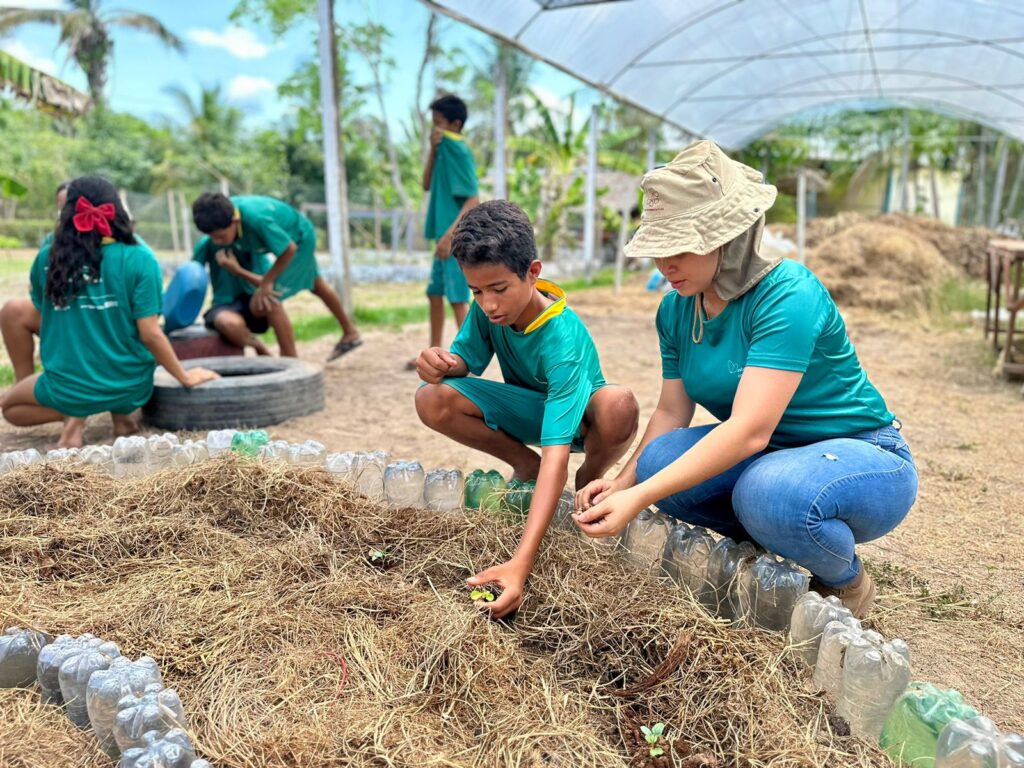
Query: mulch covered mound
x,y
251,586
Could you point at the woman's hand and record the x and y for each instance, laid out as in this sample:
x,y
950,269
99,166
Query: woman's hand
x,y
597,491
196,376
511,577
611,516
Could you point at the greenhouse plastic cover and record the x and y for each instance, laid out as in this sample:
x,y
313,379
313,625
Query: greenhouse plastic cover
x,y
731,70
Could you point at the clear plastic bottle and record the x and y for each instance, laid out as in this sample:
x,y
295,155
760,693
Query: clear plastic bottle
x,y
129,454
19,654
811,614
74,674
768,590
52,656
724,565
403,484
484,490
645,538
159,453
308,454
107,687
200,452
564,510
911,732
874,676
14,459
686,558
172,749
219,440
276,450
443,490
155,709
370,474
835,639
978,743
99,456
342,467
59,455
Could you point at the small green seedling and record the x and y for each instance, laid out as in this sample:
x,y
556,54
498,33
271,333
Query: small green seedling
x,y
377,556
652,736
482,594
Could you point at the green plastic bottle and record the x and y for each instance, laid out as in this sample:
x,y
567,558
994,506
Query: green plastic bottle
x,y
249,443
484,490
518,496
912,729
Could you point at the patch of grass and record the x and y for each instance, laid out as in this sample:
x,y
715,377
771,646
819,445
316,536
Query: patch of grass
x,y
958,296
6,376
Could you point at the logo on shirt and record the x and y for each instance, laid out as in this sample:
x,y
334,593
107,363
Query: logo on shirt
x,y
736,369
652,200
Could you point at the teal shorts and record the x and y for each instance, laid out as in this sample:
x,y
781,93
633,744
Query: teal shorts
x,y
68,405
446,279
515,410
302,271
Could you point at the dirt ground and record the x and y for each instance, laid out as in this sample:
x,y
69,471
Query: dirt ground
x,y
950,577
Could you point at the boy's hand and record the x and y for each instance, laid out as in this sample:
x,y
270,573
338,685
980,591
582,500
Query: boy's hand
x,y
511,577
264,298
227,260
434,363
597,491
436,134
611,516
444,246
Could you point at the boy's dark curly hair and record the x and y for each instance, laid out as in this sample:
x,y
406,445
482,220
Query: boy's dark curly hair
x,y
495,232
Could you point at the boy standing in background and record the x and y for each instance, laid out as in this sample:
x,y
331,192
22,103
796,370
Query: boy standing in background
x,y
450,178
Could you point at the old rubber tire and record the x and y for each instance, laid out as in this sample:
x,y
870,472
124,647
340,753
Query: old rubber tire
x,y
252,392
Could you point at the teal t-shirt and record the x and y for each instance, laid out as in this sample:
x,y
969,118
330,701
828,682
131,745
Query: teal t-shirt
x,y
93,360
227,287
452,182
554,355
270,225
788,322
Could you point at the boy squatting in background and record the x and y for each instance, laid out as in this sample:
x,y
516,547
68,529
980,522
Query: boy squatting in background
x,y
231,313
252,226
553,395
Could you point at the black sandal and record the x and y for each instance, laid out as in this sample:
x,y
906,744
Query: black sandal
x,y
343,347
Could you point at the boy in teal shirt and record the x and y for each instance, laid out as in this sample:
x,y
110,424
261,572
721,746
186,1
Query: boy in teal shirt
x,y
450,178
250,226
230,313
553,395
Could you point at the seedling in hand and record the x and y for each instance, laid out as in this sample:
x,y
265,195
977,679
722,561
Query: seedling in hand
x,y
652,736
482,594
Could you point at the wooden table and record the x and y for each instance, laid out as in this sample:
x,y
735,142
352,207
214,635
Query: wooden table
x,y
1004,269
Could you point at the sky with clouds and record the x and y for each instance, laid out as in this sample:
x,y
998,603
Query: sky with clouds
x,y
247,62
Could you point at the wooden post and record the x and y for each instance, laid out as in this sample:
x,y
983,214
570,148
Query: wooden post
x,y
500,105
335,185
997,193
186,223
172,217
590,204
620,253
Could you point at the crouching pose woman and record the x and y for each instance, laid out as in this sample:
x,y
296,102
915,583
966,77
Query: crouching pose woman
x,y
806,458
99,292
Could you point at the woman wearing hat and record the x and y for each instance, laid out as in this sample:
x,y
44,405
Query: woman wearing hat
x,y
807,460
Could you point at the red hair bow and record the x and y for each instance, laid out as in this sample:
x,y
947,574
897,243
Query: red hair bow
x,y
89,217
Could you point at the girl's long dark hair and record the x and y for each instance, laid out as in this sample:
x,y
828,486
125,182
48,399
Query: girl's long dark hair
x,y
76,256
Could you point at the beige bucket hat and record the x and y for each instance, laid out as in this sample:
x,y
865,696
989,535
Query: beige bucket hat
x,y
701,200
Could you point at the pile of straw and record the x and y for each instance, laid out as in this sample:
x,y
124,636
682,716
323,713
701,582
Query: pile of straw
x,y
250,585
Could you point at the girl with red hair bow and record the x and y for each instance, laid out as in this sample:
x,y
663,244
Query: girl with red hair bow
x,y
99,291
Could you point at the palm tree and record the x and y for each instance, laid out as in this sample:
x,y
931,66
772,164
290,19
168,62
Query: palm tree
x,y
86,31
212,127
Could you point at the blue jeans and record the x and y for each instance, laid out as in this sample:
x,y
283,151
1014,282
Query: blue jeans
x,y
811,504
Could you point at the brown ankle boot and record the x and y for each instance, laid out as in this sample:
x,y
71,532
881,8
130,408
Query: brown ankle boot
x,y
858,595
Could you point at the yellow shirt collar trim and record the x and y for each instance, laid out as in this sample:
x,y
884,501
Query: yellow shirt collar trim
x,y
546,286
107,241
238,218
453,135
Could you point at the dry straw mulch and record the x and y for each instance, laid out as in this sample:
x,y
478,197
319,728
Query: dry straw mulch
x,y
250,585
